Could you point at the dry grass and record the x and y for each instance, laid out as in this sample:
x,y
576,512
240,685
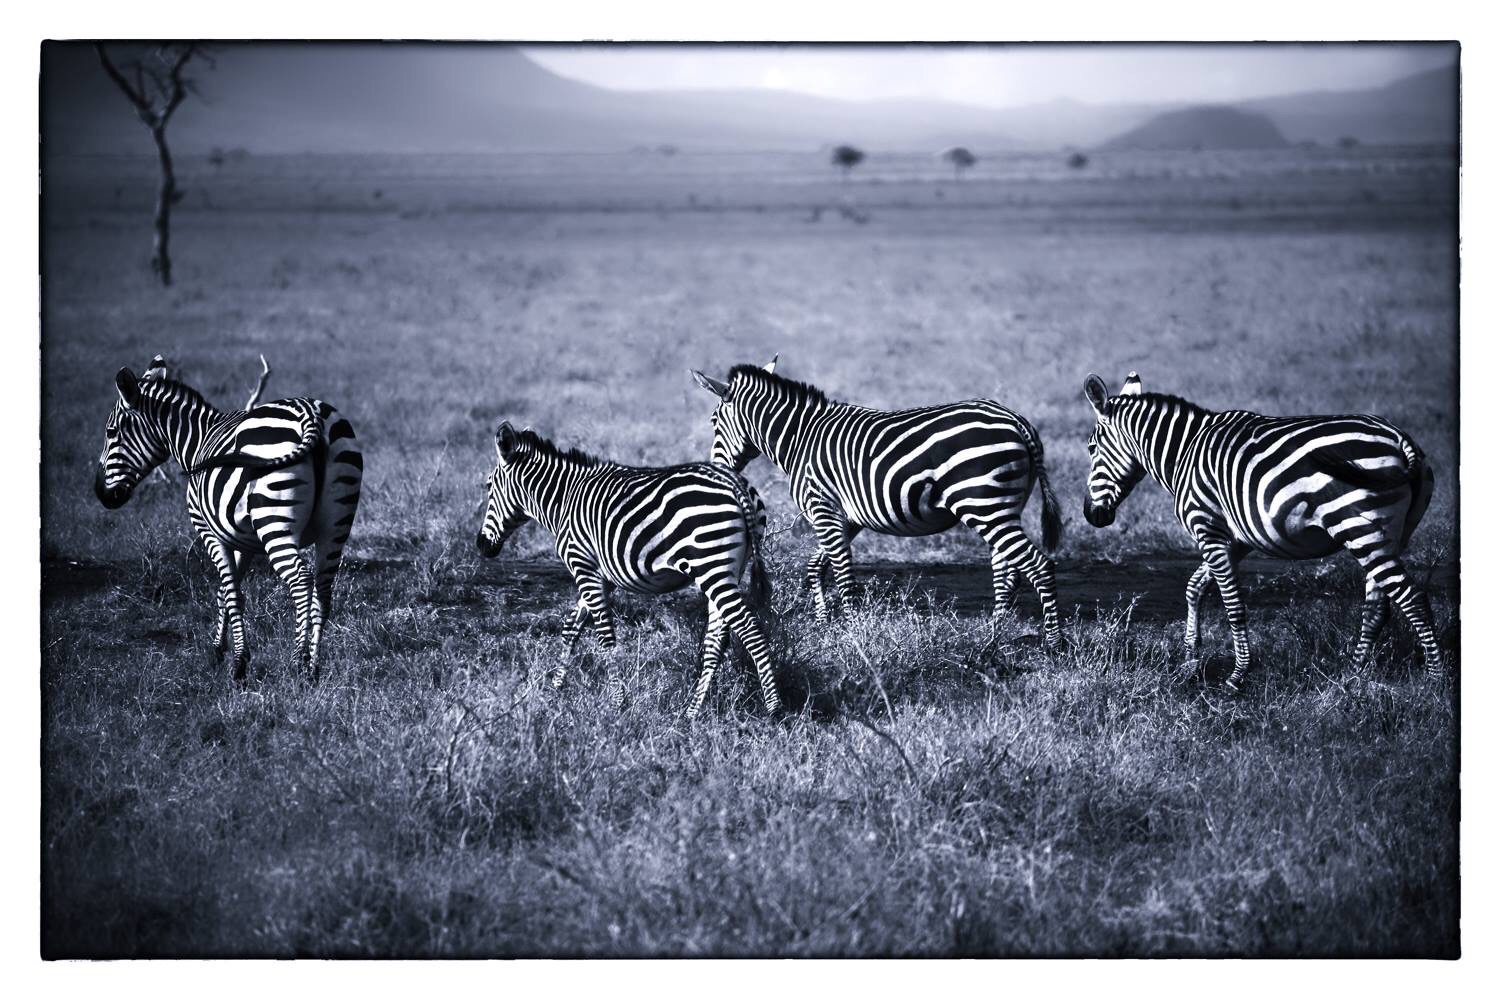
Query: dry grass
x,y
943,787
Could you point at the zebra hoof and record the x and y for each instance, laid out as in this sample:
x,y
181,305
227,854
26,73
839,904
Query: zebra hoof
x,y
1233,684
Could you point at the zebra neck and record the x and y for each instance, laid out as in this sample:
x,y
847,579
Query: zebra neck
x,y
1163,429
191,427
546,485
781,431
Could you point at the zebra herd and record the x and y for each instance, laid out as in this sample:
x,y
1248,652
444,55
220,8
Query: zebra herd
x,y
285,475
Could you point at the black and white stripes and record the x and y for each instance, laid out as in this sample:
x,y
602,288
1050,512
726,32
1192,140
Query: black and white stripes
x,y
647,530
1294,487
275,479
901,472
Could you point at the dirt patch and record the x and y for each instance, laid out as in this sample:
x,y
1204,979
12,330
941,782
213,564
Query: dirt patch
x,y
1154,582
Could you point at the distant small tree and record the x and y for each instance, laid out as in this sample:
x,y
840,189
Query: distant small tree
x,y
961,159
1347,142
846,158
1078,161
156,84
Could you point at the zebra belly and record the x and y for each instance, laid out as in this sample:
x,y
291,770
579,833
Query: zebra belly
x,y
662,582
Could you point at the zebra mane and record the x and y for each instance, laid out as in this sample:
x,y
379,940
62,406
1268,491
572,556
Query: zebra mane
x,y
163,389
1161,397
538,445
803,391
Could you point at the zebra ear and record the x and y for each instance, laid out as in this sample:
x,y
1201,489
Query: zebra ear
x,y
128,386
1097,394
505,441
713,385
771,366
1132,385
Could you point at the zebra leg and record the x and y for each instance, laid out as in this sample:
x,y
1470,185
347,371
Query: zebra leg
x,y
572,628
729,606
1010,551
813,580
1197,584
286,560
1372,618
1003,580
231,602
1379,556
714,641
594,597
1221,559
221,623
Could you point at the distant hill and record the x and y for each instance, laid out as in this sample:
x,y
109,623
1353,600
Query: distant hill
x,y
1415,109
431,98
1205,127
467,99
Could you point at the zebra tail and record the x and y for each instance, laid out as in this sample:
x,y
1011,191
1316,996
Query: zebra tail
x,y
1344,467
1052,525
312,433
1421,488
755,525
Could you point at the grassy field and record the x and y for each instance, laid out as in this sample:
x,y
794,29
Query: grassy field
x,y
942,786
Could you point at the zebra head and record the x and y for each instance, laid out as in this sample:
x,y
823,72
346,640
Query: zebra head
x,y
732,446
133,445
1113,467
506,508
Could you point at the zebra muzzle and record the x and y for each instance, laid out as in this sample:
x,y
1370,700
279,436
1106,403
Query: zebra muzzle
x,y
1099,515
488,547
112,497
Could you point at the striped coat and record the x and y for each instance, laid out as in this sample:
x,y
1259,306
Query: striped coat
x,y
897,472
1293,487
647,530
275,479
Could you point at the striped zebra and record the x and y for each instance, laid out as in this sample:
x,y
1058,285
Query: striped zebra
x,y
1294,487
897,472
274,479
646,530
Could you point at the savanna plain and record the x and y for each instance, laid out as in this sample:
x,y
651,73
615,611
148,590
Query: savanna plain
x,y
941,785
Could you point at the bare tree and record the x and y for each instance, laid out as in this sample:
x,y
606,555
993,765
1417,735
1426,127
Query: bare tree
x,y
156,84
961,159
846,158
260,386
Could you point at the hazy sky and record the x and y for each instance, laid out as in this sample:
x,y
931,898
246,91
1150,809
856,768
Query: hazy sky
x,y
1000,76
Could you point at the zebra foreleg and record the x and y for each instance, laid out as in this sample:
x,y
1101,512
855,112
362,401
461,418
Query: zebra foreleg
x,y
1199,582
1221,560
597,602
572,629
231,603
813,580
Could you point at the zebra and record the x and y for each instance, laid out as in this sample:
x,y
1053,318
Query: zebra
x,y
646,530
897,472
276,478
1293,487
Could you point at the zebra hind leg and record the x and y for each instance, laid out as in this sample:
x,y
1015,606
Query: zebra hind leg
x,y
1375,612
714,641
1012,551
729,607
1417,611
287,561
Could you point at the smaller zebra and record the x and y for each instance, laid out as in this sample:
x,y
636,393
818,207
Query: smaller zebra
x,y
1293,487
277,478
646,530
